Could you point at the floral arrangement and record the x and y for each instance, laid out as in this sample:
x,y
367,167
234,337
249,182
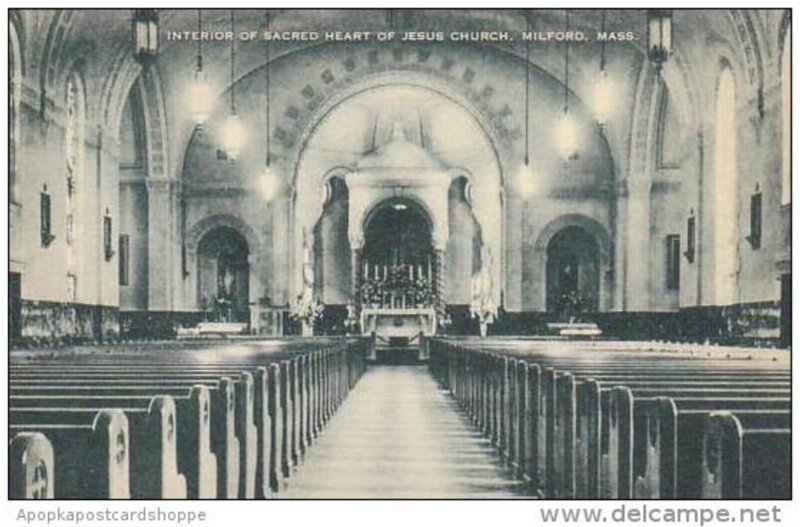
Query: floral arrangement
x,y
571,304
308,310
484,309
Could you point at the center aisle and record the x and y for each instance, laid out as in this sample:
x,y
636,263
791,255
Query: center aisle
x,y
398,435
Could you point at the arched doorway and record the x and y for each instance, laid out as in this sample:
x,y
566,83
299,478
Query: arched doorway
x,y
397,257
573,272
223,275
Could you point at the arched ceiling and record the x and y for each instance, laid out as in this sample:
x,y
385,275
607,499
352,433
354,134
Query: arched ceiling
x,y
101,38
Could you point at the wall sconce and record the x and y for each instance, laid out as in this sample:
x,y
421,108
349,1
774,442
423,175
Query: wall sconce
x,y
145,34
691,237
108,250
45,218
755,219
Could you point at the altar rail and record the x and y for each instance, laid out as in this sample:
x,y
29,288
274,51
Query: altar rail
x,y
628,421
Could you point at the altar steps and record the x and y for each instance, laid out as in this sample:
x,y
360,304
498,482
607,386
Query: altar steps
x,y
397,355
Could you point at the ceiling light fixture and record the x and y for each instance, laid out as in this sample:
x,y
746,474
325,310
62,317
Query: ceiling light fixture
x,y
233,131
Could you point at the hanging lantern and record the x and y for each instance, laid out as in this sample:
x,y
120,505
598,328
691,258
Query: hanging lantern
x,y
659,36
604,97
565,131
232,136
526,180
145,34
270,185
566,136
200,95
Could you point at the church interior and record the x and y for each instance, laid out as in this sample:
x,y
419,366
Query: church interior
x,y
646,192
541,253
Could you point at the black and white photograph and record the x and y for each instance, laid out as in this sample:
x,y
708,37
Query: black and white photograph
x,y
263,253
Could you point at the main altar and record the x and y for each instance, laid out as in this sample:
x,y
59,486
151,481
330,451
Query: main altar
x,y
398,301
398,231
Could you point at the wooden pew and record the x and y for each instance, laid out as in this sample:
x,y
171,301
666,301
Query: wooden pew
x,y
193,407
314,391
238,459
153,436
90,459
746,455
667,457
30,467
596,439
226,438
563,413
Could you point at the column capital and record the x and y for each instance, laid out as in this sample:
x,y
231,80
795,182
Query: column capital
x,y
159,184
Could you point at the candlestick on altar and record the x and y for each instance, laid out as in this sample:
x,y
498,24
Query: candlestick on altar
x,y
376,271
430,273
411,272
366,270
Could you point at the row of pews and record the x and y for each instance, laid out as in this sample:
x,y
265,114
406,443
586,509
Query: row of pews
x,y
617,421
202,422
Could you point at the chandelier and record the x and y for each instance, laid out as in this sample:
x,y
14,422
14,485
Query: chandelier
x,y
603,90
270,184
200,95
233,130
565,131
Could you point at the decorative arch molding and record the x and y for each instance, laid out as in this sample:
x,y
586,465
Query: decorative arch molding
x,y
681,80
499,139
368,213
750,54
195,234
117,85
539,264
18,41
51,54
155,116
312,206
784,27
643,131
593,227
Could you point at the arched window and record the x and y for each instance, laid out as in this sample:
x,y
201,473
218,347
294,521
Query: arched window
x,y
74,145
724,189
786,117
14,92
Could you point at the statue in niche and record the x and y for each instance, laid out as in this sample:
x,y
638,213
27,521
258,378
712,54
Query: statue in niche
x,y
307,309
483,306
398,132
570,300
226,289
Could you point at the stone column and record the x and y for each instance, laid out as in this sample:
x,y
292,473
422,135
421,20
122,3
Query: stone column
x,y
355,277
637,247
620,224
439,285
160,243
